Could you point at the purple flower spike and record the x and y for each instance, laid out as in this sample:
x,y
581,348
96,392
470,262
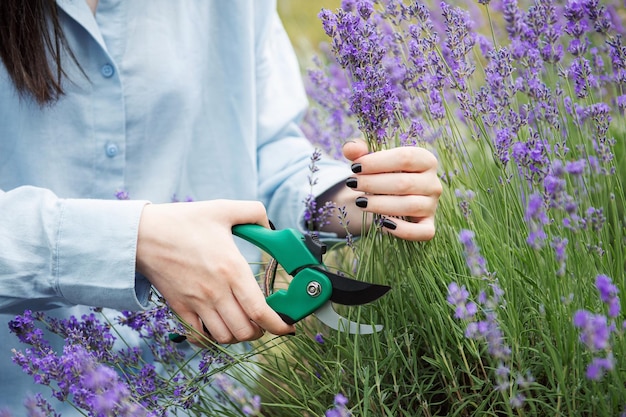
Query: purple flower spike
x,y
595,370
595,328
340,407
475,262
458,298
608,294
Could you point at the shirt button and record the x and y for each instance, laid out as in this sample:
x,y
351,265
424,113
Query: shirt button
x,y
107,70
111,150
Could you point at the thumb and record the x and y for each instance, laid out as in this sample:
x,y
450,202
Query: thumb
x,y
354,149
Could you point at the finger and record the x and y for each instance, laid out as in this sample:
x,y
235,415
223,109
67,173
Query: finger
x,y
396,183
199,335
354,149
418,230
239,325
405,159
244,212
415,206
256,308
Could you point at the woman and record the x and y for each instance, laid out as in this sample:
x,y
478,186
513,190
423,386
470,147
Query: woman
x,y
158,99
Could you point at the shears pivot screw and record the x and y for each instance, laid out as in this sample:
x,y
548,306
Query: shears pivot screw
x,y
314,288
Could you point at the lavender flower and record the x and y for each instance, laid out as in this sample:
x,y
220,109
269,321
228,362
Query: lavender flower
x,y
596,368
608,294
475,261
91,386
154,326
330,123
503,140
536,218
559,245
37,406
340,407
465,198
596,329
237,396
122,195
576,167
458,297
357,46
24,328
316,218
483,325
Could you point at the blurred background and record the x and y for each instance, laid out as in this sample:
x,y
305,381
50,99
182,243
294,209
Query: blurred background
x,y
303,26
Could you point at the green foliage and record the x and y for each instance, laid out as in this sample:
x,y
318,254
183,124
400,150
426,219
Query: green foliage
x,y
422,363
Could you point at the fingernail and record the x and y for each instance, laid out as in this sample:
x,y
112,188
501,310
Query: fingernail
x,y
351,182
361,202
389,224
356,168
177,338
348,141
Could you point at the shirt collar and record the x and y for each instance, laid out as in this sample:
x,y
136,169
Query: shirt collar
x,y
80,12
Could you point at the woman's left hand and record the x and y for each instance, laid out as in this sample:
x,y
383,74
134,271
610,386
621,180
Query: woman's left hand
x,y
401,184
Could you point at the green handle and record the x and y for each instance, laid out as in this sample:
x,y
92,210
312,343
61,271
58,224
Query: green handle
x,y
307,292
309,289
286,245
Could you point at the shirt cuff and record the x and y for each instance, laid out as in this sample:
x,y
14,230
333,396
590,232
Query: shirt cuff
x,y
95,251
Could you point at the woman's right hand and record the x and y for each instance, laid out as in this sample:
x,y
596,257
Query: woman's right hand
x,y
187,252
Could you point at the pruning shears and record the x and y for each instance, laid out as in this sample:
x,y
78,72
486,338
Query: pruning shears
x,y
313,288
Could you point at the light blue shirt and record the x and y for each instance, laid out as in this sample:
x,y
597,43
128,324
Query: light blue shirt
x,y
197,99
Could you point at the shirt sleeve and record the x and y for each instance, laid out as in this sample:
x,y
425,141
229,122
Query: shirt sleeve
x,y
60,252
283,151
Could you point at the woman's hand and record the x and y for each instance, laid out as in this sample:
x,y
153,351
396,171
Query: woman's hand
x,y
187,252
400,183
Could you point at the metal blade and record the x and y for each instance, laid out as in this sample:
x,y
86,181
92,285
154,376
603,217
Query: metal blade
x,y
351,292
327,315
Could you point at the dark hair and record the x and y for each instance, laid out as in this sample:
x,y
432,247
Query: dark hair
x,y
31,45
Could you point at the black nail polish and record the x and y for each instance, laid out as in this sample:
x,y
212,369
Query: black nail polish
x,y
351,182
361,202
177,338
389,224
356,168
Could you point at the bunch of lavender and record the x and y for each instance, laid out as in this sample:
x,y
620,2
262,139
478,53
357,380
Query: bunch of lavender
x,y
128,366
523,103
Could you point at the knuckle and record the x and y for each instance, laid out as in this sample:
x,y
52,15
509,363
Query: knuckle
x,y
245,333
259,208
430,233
223,268
405,184
437,187
256,313
431,160
406,160
416,205
223,338
426,157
